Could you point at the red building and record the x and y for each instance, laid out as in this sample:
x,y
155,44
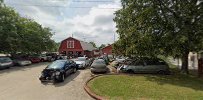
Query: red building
x,y
107,50
76,48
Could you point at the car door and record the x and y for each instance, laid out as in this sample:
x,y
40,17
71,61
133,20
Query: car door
x,y
68,68
150,66
137,66
72,65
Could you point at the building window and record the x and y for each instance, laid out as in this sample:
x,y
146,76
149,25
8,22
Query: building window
x,y
70,44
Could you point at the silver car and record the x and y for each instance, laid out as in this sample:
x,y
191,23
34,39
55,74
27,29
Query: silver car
x,y
82,62
146,66
5,62
99,65
22,62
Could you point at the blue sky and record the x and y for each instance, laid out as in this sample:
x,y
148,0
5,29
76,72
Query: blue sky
x,y
92,22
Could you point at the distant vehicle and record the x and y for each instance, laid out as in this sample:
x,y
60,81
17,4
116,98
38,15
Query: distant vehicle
x,y
5,62
105,58
52,56
111,58
58,70
21,59
60,57
43,57
34,59
91,61
146,65
98,66
21,62
120,59
82,62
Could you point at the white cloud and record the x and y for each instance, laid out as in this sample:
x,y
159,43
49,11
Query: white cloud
x,y
95,24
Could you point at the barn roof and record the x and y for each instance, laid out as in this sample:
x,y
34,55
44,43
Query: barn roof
x,y
87,46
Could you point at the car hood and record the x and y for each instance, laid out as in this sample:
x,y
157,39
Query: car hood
x,y
80,62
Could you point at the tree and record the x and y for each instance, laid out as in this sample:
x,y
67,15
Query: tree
x,y
93,44
102,46
119,48
168,27
19,34
8,31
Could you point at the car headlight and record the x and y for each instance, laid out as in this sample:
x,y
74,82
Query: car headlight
x,y
57,73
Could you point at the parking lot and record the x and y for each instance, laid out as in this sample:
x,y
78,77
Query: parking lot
x,y
22,83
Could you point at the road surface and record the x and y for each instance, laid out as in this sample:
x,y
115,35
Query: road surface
x,y
22,83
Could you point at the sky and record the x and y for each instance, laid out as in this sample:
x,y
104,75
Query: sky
x,y
86,20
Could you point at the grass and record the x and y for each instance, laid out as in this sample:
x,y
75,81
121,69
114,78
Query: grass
x,y
148,87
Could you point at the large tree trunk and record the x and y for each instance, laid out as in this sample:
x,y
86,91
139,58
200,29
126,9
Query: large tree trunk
x,y
184,67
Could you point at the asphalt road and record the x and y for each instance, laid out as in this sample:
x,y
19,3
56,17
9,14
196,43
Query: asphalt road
x,y
22,83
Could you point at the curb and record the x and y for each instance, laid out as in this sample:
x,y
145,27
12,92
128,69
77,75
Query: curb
x,y
92,94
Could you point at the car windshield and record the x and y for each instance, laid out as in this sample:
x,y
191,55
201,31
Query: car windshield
x,y
4,59
56,65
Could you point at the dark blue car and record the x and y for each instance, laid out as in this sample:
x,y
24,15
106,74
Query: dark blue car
x,y
58,71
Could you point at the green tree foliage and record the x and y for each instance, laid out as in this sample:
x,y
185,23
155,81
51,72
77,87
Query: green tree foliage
x,y
8,31
102,46
169,27
19,34
119,48
94,44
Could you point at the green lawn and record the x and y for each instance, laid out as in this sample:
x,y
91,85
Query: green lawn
x,y
148,87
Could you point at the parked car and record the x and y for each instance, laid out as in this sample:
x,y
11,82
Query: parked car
x,y
21,62
91,61
58,70
34,59
5,62
43,57
146,65
99,65
52,56
111,58
105,58
120,59
82,62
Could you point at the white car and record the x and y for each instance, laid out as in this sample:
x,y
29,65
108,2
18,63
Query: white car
x,y
22,62
82,62
43,57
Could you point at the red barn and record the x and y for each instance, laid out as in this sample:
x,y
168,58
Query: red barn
x,y
107,50
76,48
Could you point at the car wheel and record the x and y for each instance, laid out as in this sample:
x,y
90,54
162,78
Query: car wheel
x,y
62,77
74,70
42,60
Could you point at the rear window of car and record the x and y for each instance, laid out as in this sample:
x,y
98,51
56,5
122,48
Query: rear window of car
x,y
5,59
96,62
